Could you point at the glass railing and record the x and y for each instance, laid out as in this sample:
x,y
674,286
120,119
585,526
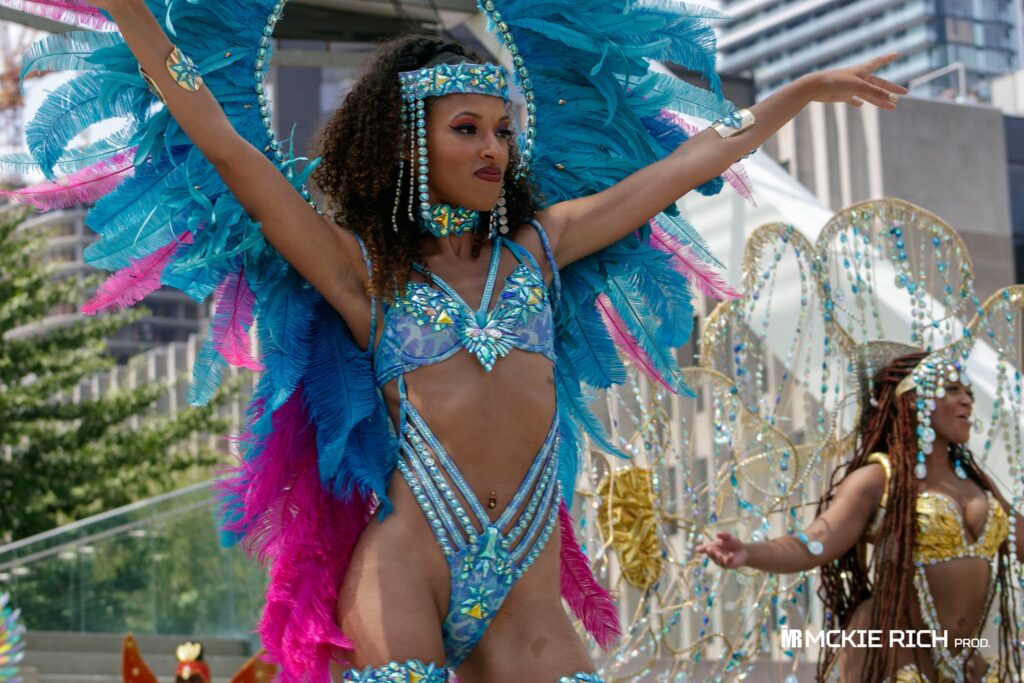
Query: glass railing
x,y
155,566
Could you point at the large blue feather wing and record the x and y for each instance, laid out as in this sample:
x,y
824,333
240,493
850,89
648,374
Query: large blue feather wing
x,y
600,114
175,194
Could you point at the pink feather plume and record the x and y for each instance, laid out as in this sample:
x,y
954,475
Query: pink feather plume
x,y
688,264
65,11
625,341
82,187
131,285
735,175
307,535
232,319
589,601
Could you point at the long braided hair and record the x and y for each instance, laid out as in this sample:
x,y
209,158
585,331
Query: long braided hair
x,y
889,425
359,150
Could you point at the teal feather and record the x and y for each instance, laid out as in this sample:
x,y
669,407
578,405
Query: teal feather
x,y
69,110
67,52
344,402
134,222
583,340
285,317
72,160
572,399
668,92
636,313
207,373
668,293
570,451
679,228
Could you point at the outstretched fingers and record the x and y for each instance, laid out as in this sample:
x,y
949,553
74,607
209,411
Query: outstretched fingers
x,y
888,86
880,61
876,95
874,89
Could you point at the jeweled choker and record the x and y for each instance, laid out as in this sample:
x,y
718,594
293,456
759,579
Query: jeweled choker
x,y
446,220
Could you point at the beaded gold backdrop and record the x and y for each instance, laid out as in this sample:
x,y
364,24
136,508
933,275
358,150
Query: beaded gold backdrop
x,y
779,386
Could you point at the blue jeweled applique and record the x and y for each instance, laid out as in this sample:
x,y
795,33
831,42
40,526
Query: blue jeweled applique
x,y
526,290
429,306
412,671
486,574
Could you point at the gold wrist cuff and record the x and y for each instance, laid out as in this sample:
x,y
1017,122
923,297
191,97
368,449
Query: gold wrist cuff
x,y
736,122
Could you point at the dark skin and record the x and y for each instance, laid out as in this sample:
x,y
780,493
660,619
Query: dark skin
x,y
392,613
958,587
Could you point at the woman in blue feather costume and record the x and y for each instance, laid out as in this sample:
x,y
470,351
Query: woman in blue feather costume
x,y
412,443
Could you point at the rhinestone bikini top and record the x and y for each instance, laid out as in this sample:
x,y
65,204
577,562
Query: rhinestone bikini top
x,y
941,532
426,325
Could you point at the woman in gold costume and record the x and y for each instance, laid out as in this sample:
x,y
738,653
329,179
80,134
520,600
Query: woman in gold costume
x,y
940,530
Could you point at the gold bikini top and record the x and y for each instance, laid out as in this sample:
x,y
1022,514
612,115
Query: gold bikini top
x,y
941,532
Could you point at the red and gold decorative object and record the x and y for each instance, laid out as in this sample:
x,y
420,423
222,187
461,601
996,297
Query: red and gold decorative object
x,y
256,670
133,666
190,664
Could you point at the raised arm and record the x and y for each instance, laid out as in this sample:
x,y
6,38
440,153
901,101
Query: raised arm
x,y
837,529
582,226
328,257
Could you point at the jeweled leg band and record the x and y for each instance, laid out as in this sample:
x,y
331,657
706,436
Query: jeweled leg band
x,y
581,677
412,671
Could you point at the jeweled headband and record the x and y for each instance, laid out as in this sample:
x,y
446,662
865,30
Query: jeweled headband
x,y
437,81
454,79
930,375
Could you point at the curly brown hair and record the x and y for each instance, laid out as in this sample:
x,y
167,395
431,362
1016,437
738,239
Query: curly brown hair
x,y
889,425
359,150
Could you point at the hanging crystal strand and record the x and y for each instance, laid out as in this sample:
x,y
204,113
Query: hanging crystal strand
x,y
398,194
421,143
410,130
401,167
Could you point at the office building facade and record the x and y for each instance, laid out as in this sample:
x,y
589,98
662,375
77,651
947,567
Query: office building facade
x,y
777,41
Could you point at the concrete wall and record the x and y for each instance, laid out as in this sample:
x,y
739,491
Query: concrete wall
x,y
1015,175
951,159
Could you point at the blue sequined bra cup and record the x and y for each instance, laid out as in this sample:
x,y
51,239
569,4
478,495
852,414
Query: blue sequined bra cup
x,y
425,326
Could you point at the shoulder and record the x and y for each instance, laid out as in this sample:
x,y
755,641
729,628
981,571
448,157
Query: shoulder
x,y
871,480
529,236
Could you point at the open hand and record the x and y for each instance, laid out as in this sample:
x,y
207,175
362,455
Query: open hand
x,y
725,551
856,85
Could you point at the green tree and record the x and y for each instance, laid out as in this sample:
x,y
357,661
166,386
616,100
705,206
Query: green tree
x,y
62,460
